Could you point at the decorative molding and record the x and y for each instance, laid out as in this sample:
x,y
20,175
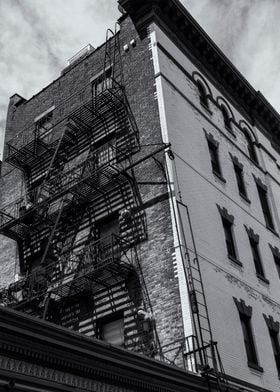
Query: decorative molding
x,y
45,113
177,22
36,348
275,251
255,237
224,213
243,308
271,324
211,139
235,161
260,183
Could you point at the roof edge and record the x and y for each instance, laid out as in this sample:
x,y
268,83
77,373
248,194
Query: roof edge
x,y
180,22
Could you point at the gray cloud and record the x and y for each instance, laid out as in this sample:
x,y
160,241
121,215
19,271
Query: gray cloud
x,y
38,36
247,31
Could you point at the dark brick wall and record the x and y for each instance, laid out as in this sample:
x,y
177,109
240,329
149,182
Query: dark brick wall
x,y
67,93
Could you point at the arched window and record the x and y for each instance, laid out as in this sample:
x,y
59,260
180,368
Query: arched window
x,y
226,118
250,146
202,94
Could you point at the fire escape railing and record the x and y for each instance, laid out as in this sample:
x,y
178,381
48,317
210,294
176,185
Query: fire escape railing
x,y
97,171
29,145
95,264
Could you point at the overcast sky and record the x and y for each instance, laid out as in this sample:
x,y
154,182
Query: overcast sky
x,y
38,36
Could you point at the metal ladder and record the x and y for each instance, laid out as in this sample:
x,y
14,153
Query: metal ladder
x,y
202,349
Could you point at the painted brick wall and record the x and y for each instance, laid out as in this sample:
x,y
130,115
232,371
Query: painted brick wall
x,y
187,125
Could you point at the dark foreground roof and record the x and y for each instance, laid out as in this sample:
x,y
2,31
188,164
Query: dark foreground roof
x,y
30,340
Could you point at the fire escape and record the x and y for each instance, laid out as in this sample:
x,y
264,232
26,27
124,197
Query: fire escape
x,y
79,173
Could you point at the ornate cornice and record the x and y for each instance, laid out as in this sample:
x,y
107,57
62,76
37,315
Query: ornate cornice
x,y
38,348
183,28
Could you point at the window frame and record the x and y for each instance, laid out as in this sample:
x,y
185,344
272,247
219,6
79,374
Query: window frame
x,y
226,118
106,320
203,99
262,192
239,174
274,338
245,316
250,146
277,263
229,238
254,245
249,341
228,222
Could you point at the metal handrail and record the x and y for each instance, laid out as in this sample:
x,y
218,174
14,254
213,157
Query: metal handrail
x,y
71,265
26,136
101,158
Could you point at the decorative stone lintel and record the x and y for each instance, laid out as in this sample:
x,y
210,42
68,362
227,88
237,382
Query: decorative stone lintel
x,y
211,139
224,213
275,251
235,161
255,237
271,324
243,308
260,183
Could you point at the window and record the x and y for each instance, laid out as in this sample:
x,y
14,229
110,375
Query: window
x,y
227,221
44,122
102,82
277,263
273,329
245,315
240,180
214,157
226,118
202,95
276,256
250,146
111,330
248,339
265,206
254,244
256,257
229,238
274,337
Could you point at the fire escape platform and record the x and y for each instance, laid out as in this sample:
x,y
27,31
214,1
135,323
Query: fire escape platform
x,y
93,278
29,155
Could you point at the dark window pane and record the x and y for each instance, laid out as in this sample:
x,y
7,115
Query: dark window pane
x,y
202,95
256,257
111,329
265,207
250,147
277,263
229,238
240,180
248,339
214,158
275,347
226,118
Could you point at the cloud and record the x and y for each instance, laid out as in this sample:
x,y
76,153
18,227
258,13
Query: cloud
x,y
38,36
247,32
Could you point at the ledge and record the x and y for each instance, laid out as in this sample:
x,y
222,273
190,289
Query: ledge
x,y
272,231
219,176
235,261
263,279
245,198
255,367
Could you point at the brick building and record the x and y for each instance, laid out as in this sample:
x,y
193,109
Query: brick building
x,y
139,206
